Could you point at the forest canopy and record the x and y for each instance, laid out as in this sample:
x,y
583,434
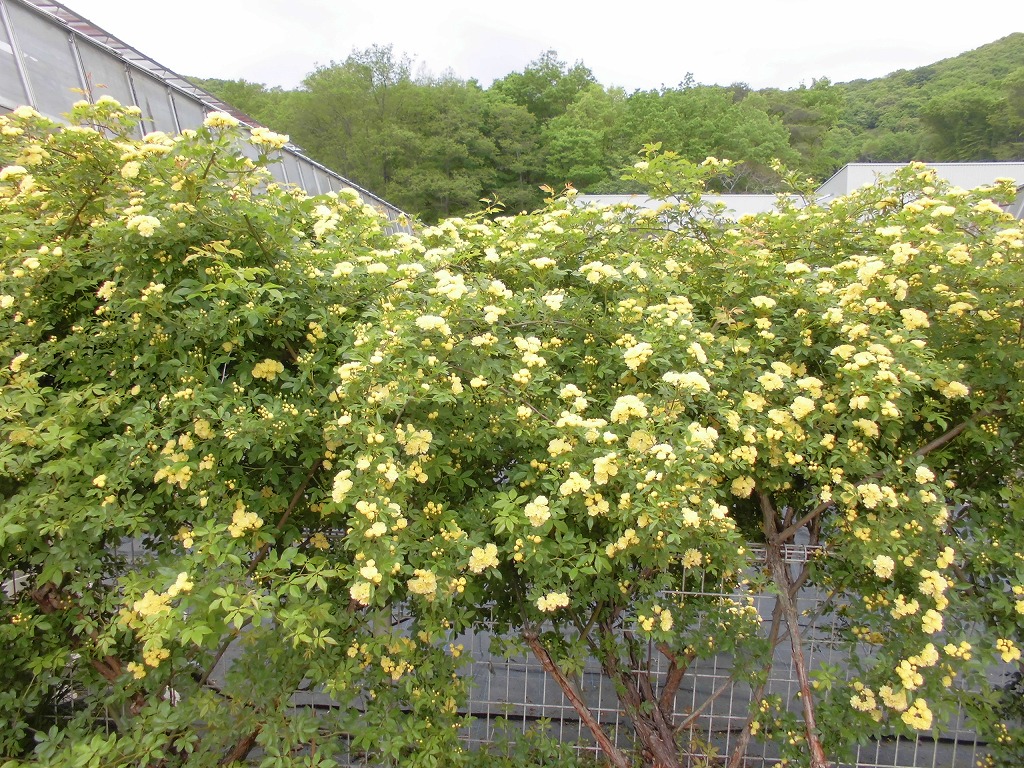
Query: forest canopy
x,y
436,145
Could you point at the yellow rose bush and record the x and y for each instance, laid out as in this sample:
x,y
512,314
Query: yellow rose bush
x,y
170,444
332,449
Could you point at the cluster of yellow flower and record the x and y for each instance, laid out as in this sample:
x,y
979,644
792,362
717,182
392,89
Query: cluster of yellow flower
x,y
424,582
537,511
143,224
177,472
267,369
918,715
661,616
883,566
483,558
243,521
626,540
1007,650
605,468
637,355
263,137
552,601
220,120
864,698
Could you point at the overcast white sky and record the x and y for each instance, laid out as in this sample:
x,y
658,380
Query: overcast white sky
x,y
643,44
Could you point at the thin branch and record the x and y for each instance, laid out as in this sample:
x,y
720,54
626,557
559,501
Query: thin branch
x,y
296,498
780,575
110,667
615,755
675,674
584,629
736,760
242,748
689,720
949,436
270,262
221,650
260,557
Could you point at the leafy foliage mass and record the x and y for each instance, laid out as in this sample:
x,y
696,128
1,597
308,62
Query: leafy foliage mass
x,y
329,450
436,145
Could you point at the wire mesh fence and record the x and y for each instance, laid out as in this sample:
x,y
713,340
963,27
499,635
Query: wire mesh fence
x,y
511,696
516,690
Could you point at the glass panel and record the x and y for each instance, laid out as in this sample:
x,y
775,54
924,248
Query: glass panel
x,y
309,177
291,168
46,52
247,149
278,170
12,92
155,105
190,112
322,180
105,74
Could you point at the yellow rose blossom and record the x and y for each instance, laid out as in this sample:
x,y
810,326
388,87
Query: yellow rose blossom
x,y
267,369
802,407
691,558
918,715
894,700
688,381
220,120
1007,650
483,558
360,592
883,566
902,607
552,601
243,521
931,621
424,582
742,486
605,468
575,483
537,511
953,389
754,401
144,225
628,406
261,136
558,446
637,355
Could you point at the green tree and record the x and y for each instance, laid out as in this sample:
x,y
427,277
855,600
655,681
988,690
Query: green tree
x,y
450,159
349,116
965,123
517,160
546,86
584,145
701,121
274,107
814,118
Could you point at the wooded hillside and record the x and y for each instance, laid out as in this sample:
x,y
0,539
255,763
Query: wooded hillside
x,y
436,145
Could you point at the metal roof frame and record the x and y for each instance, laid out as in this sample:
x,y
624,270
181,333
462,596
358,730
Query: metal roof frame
x,y
82,27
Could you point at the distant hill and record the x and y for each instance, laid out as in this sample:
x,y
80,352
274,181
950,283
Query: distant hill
x,y
969,107
437,145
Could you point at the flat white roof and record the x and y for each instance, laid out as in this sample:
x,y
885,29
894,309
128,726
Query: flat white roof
x,y
967,175
847,179
735,205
